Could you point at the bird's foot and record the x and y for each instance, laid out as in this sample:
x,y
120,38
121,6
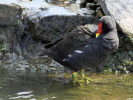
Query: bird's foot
x,y
82,79
87,80
75,80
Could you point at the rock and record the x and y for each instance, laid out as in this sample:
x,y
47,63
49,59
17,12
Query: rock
x,y
11,33
95,1
60,1
74,8
89,11
99,12
92,6
83,3
53,28
122,12
9,14
10,40
24,0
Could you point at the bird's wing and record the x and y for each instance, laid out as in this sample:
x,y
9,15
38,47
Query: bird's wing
x,y
74,40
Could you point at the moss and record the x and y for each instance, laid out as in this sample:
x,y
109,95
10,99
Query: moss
x,y
119,61
3,48
122,59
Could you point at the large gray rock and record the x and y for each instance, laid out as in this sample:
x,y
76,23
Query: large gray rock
x,y
9,14
11,30
122,12
53,28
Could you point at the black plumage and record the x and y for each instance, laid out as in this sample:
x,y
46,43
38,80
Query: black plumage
x,y
81,49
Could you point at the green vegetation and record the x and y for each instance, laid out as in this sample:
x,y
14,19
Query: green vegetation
x,y
3,47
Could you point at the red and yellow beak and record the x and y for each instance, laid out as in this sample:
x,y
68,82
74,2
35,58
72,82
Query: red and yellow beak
x,y
99,29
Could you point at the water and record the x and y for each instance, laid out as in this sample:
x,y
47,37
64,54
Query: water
x,y
22,85
37,85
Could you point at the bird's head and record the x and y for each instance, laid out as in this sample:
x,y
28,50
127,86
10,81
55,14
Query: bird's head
x,y
106,24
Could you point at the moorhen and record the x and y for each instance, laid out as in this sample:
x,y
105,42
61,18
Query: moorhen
x,y
71,51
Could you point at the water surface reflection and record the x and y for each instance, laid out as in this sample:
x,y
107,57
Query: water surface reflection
x,y
39,86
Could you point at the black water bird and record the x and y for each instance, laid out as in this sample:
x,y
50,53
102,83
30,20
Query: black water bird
x,y
99,47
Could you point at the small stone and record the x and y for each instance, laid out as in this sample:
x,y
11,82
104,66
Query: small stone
x,y
95,1
88,12
99,12
83,3
108,93
91,6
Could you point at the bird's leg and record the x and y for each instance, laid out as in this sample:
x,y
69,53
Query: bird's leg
x,y
83,77
81,73
74,77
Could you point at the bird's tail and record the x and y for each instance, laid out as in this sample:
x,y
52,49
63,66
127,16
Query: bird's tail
x,y
44,52
47,52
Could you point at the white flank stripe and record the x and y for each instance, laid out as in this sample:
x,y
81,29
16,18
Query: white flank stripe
x,y
64,59
86,46
69,55
78,51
